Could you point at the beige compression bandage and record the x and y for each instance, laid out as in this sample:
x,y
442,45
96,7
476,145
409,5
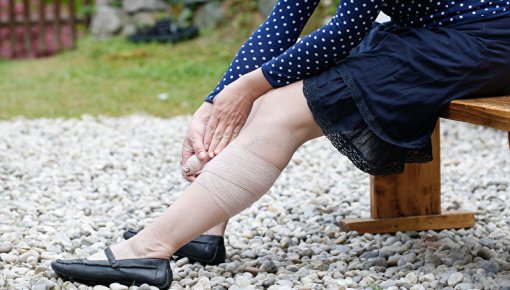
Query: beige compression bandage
x,y
236,178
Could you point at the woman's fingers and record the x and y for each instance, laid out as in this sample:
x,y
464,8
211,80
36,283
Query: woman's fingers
x,y
193,165
236,131
209,131
187,151
216,138
226,138
198,147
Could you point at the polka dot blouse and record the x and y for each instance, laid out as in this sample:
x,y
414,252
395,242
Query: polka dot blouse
x,y
284,60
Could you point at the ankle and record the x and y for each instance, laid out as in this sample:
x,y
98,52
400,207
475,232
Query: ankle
x,y
218,230
215,232
150,249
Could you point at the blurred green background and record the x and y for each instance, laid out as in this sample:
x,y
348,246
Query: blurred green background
x,y
115,77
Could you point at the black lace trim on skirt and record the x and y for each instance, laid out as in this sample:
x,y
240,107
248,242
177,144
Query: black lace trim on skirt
x,y
344,142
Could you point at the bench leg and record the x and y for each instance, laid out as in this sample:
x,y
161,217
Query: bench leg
x,y
410,201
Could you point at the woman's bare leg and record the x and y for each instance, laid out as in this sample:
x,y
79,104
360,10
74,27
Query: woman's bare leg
x,y
282,123
219,229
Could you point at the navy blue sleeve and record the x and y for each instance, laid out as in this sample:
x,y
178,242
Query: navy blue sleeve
x,y
278,32
325,46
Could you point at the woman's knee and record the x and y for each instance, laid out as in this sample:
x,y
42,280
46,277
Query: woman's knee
x,y
286,110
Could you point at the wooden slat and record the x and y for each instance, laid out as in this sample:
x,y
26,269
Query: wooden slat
x,y
63,20
57,24
42,28
72,22
27,30
491,112
12,28
412,193
87,3
448,220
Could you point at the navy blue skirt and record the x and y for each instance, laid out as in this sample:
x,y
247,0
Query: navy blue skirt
x,y
379,106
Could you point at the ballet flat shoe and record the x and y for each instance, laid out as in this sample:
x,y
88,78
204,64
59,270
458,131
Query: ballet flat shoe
x,y
206,249
129,272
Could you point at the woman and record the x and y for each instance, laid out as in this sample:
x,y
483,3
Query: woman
x,y
374,90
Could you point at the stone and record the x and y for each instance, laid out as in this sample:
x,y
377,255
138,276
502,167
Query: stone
x,y
504,284
285,283
407,258
487,242
181,262
455,279
388,251
144,19
464,286
306,252
268,281
433,259
25,256
379,262
132,6
242,280
43,284
388,284
412,278
484,253
107,21
40,269
100,287
490,266
5,248
370,254
202,284
8,258
117,286
208,15
427,278
269,267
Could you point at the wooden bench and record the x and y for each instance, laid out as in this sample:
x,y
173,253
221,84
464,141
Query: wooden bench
x,y
411,201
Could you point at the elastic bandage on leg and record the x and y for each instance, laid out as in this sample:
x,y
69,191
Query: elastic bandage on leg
x,y
236,178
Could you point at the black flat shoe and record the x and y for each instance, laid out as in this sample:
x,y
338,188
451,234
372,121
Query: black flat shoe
x,y
129,272
206,249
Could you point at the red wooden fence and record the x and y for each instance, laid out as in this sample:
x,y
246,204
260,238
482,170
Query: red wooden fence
x,y
37,28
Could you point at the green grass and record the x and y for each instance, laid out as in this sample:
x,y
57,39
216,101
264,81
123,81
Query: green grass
x,y
115,78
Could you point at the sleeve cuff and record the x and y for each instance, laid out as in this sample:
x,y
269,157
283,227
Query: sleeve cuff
x,y
210,98
272,81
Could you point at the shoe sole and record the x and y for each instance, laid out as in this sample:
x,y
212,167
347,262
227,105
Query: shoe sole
x,y
165,286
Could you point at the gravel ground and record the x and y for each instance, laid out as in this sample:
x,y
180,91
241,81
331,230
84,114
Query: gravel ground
x,y
69,187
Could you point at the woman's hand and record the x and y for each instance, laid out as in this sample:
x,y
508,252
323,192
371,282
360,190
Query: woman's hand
x,y
231,109
194,140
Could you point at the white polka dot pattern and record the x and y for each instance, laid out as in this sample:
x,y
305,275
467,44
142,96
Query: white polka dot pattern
x,y
273,45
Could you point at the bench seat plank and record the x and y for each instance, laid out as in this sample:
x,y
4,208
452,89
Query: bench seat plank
x,y
491,112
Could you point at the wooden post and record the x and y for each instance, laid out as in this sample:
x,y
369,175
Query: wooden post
x,y
416,192
12,27
72,23
27,28
410,201
57,24
42,28
88,17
